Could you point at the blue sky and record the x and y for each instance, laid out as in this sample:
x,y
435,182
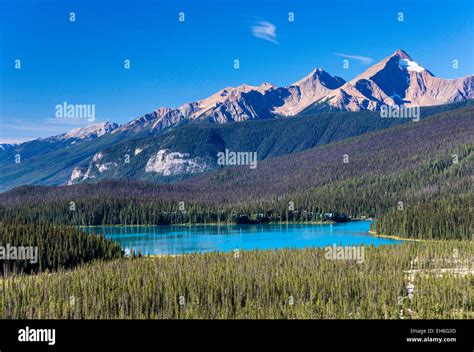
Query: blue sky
x,y
175,62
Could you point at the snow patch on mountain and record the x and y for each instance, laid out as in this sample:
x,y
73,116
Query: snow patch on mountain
x,y
168,163
410,65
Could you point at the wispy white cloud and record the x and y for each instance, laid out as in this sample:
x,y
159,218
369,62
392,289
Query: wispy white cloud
x,y
364,59
265,30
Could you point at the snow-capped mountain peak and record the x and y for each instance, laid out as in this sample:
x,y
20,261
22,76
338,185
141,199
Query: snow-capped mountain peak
x,y
400,80
406,62
395,80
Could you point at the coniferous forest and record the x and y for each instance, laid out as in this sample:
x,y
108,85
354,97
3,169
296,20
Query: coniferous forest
x,y
59,247
255,284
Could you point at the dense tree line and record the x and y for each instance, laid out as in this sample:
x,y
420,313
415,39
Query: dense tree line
x,y
58,247
450,218
255,284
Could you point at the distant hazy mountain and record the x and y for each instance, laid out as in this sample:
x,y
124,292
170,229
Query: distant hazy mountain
x,y
6,146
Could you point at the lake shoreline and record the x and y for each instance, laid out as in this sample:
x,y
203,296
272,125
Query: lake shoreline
x,y
373,233
160,241
233,223
395,237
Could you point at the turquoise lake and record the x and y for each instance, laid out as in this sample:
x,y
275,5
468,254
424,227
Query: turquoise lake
x,y
207,238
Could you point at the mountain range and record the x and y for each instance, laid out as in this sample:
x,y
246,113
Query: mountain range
x,y
172,143
396,80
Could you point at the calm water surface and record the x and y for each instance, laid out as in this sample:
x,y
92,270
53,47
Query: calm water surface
x,y
223,238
